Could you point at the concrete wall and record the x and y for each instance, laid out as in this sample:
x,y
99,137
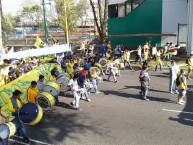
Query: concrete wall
x,y
174,12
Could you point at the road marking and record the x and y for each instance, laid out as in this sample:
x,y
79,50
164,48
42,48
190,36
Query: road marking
x,y
177,111
36,141
12,140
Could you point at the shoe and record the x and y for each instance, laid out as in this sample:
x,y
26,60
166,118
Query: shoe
x,y
115,81
171,92
26,140
97,92
180,103
78,109
146,99
176,92
84,98
71,104
88,100
17,133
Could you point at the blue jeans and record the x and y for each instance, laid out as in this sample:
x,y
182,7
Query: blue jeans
x,y
4,142
56,99
20,127
172,83
111,74
94,82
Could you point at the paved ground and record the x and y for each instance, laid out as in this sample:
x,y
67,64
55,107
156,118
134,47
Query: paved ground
x,y
118,116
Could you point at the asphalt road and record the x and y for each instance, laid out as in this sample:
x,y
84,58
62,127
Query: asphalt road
x,y
118,116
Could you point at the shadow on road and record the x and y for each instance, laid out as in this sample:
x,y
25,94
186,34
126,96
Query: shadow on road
x,y
55,127
186,118
138,88
159,76
136,96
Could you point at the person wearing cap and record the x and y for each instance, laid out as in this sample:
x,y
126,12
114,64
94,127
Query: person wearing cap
x,y
14,104
144,79
32,92
3,119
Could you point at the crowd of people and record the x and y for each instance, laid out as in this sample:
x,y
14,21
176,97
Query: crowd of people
x,y
84,78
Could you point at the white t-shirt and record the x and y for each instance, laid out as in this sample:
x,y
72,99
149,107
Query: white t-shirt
x,y
74,84
139,51
154,50
128,55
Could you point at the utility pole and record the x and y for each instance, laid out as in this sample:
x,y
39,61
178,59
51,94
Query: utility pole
x,y
190,28
66,23
45,22
1,41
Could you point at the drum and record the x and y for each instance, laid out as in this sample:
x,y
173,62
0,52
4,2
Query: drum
x,y
45,100
115,70
99,66
63,83
103,62
52,88
80,68
121,65
7,130
30,114
98,71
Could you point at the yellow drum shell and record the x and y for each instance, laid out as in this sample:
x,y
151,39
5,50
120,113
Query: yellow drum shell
x,y
98,65
45,100
115,70
52,88
30,114
12,128
7,130
121,65
103,62
63,83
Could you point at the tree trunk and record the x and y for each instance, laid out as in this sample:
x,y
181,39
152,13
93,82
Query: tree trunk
x,y
1,24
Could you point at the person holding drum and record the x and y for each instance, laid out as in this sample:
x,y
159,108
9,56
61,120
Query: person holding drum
x,y
14,104
40,83
3,119
73,84
32,92
93,77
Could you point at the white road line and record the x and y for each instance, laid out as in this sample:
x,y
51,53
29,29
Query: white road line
x,y
177,111
36,141
12,140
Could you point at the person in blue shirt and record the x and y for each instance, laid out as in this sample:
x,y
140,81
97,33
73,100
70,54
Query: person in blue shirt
x,y
104,50
40,83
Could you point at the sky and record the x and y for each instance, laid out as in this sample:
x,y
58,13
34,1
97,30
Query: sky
x,y
12,6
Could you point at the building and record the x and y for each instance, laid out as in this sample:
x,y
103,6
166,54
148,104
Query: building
x,y
133,22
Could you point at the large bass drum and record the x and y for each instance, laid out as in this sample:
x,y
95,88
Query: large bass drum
x,y
30,114
52,88
7,130
63,83
45,100
103,62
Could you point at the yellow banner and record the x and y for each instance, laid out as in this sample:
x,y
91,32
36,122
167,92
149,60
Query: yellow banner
x,y
22,83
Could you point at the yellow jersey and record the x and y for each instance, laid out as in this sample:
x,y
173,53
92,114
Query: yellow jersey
x,y
32,94
10,105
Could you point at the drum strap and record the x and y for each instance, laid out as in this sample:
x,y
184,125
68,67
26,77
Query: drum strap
x,y
14,102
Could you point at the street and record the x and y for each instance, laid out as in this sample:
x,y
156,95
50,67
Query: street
x,y
118,116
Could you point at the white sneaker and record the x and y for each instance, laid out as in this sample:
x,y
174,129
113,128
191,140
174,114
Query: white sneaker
x,y
97,92
180,103
88,100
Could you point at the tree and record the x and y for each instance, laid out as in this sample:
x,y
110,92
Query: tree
x,y
83,10
1,26
33,15
100,17
10,23
72,14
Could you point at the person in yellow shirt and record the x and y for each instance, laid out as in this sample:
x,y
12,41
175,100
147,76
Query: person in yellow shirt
x,y
14,104
146,52
93,77
190,66
32,92
3,119
69,67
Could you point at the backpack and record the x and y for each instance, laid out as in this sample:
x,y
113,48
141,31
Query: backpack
x,y
178,80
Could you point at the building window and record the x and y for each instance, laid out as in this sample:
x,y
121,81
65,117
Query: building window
x,y
113,11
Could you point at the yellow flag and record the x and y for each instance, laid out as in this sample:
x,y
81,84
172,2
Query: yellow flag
x,y
38,42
